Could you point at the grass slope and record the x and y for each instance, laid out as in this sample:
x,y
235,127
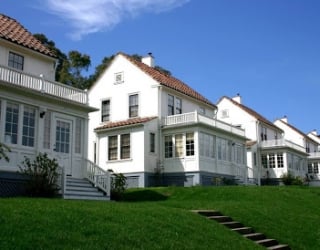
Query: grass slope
x,y
160,218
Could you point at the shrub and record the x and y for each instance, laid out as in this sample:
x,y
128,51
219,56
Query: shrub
x,y
4,149
290,179
43,176
118,186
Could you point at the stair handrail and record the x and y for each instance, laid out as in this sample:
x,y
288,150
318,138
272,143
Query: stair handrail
x,y
61,182
99,177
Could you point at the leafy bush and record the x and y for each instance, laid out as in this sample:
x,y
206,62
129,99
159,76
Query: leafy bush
x,y
118,186
43,176
290,179
3,150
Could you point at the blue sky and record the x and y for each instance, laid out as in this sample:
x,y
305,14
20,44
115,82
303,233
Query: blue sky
x,y
266,50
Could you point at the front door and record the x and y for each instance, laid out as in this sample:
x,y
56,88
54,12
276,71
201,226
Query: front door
x,y
63,143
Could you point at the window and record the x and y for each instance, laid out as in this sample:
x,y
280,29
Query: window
x,y
28,126
105,110
11,129
307,147
179,145
125,146
239,157
47,130
133,105
178,106
168,147
207,145
255,159
15,61
315,168
310,170
263,133
78,132
113,147
118,77
272,161
152,142
202,111
280,160
94,152
63,137
264,161
189,144
224,113
170,105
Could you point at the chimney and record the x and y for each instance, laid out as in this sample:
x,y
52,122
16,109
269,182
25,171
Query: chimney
x,y
148,60
284,119
237,98
314,132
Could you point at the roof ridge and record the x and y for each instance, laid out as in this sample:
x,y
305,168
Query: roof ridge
x,y
168,80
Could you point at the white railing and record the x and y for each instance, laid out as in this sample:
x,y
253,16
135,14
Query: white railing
x,y
195,117
97,176
42,85
314,155
281,143
61,181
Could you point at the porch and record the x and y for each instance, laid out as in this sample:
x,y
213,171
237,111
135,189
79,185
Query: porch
x,y
278,143
195,117
40,84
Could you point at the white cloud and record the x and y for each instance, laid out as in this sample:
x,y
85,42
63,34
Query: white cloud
x,y
90,16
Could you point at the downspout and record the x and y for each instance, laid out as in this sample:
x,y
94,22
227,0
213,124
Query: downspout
x,y
258,153
160,149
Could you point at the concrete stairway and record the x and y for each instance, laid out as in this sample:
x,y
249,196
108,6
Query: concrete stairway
x,y
82,189
247,232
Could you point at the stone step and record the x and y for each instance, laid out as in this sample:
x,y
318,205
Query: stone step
x,y
255,236
85,197
279,247
267,242
207,212
220,218
243,230
232,224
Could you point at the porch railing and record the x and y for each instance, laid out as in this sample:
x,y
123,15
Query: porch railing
x,y
281,143
39,83
195,117
97,176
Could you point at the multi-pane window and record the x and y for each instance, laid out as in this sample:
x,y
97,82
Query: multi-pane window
x,y
15,61
47,130
178,106
78,138
12,120
178,145
125,146
63,137
307,147
105,110
133,105
239,157
263,133
113,147
264,161
280,160
310,169
152,142
315,168
189,144
118,77
170,105
28,127
207,145
168,147
272,161
223,149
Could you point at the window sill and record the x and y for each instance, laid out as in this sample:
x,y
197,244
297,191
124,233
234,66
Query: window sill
x,y
119,161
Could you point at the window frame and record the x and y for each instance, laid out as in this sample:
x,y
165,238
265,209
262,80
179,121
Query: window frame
x,y
134,105
105,110
125,146
15,61
152,142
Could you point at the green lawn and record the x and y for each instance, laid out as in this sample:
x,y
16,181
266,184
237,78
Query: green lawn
x,y
160,218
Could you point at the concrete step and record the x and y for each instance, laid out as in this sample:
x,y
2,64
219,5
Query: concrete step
x,y
220,218
243,230
255,236
279,247
207,213
267,242
232,224
84,197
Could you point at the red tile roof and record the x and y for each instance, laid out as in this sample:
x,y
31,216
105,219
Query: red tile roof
x,y
169,81
131,121
13,31
253,113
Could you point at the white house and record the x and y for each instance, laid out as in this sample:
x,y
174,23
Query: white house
x,y
156,130
269,152
309,142
38,114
